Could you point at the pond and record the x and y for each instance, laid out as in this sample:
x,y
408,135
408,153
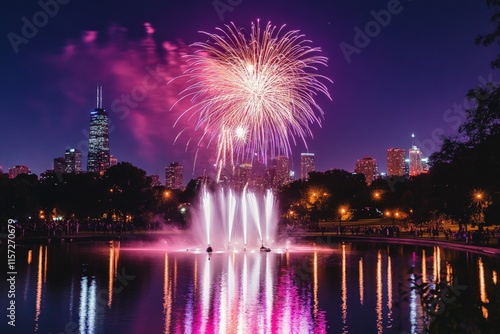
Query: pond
x,y
139,287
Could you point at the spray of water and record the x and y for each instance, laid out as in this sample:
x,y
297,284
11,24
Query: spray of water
x,y
228,219
207,205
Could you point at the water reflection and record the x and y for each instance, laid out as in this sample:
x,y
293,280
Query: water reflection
x,y
315,283
424,267
413,305
114,253
313,291
39,285
344,291
389,292
205,298
87,311
449,273
28,276
361,282
245,293
482,287
378,306
167,297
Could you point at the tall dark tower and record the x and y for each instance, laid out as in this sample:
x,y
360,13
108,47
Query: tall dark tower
x,y
98,157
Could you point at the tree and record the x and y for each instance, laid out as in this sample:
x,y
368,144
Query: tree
x,y
129,191
470,160
494,36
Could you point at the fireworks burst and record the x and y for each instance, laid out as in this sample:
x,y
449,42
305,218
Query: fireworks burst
x,y
251,94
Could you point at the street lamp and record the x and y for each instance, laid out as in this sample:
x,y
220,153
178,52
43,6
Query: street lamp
x,y
396,216
342,211
482,202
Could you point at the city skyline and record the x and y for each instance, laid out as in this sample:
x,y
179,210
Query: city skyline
x,y
99,158
173,172
382,91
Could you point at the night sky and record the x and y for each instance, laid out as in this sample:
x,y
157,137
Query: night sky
x,y
411,76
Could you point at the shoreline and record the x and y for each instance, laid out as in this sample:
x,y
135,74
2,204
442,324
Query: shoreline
x,y
493,248
490,249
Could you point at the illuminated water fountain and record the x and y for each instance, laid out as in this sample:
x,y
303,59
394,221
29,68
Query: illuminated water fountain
x,y
228,220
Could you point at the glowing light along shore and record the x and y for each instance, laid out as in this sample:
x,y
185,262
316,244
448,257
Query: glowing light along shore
x,y
253,93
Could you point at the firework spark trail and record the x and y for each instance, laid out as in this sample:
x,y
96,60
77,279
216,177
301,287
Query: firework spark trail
x,y
251,94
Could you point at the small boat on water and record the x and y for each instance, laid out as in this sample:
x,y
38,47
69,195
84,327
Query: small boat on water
x,y
265,249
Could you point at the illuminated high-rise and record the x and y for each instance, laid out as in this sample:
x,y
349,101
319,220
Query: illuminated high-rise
x,y
306,165
368,167
282,176
173,176
73,161
19,169
98,157
396,162
415,159
155,180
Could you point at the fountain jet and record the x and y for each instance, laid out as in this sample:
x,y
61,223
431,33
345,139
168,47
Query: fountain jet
x,y
229,218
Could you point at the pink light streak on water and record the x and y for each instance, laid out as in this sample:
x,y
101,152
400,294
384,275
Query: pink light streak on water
x,y
247,296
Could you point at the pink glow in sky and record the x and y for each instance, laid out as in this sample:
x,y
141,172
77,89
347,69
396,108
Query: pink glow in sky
x,y
138,94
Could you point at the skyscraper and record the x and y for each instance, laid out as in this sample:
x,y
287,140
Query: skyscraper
x,y
173,176
415,156
155,180
282,171
73,161
98,157
396,162
416,166
306,165
368,167
19,169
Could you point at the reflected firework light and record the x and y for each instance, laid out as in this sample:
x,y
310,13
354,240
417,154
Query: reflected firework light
x,y
253,93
